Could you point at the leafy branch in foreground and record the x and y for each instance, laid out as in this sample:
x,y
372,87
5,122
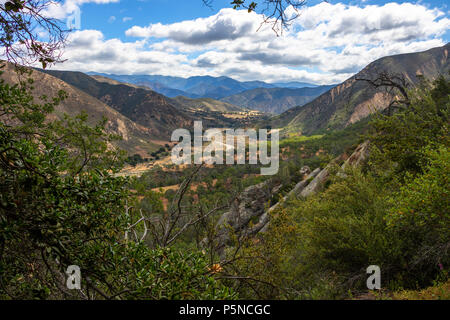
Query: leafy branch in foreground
x,y
61,205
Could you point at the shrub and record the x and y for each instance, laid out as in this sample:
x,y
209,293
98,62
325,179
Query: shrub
x,y
420,212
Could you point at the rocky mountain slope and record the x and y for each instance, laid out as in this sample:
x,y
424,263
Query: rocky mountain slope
x,y
145,107
275,100
136,138
354,100
206,104
248,214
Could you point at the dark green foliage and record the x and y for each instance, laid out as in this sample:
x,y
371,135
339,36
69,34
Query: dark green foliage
x,y
342,230
392,212
401,137
135,159
420,211
61,205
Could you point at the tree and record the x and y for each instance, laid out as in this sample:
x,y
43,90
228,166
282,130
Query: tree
x,y
421,120
22,23
61,205
394,84
60,202
421,210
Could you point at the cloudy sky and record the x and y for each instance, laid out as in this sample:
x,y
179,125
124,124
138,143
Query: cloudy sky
x,y
326,44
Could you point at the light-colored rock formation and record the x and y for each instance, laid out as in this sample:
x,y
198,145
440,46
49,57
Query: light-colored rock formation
x,y
250,205
356,159
358,156
305,170
316,184
263,222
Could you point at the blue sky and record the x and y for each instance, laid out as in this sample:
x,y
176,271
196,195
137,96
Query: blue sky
x,y
144,12
328,43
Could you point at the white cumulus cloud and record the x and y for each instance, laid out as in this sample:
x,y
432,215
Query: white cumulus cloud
x,y
326,44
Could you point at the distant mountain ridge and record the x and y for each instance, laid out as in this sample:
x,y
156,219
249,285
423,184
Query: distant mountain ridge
x,y
354,100
160,114
275,100
198,86
182,102
294,84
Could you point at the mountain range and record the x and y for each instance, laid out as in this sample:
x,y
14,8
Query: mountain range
x,y
145,119
198,86
257,95
275,100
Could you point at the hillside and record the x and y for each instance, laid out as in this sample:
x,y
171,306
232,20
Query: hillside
x,y
136,138
167,91
143,106
148,82
182,102
207,104
115,82
275,100
354,100
220,87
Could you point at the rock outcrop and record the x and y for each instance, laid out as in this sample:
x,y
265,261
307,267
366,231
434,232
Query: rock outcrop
x,y
316,184
263,223
249,206
358,156
248,214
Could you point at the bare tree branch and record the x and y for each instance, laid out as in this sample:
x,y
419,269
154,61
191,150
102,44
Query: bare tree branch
x,y
275,12
395,84
28,35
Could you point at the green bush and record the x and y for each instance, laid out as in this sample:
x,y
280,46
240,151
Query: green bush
x,y
421,213
402,136
392,212
343,231
61,205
